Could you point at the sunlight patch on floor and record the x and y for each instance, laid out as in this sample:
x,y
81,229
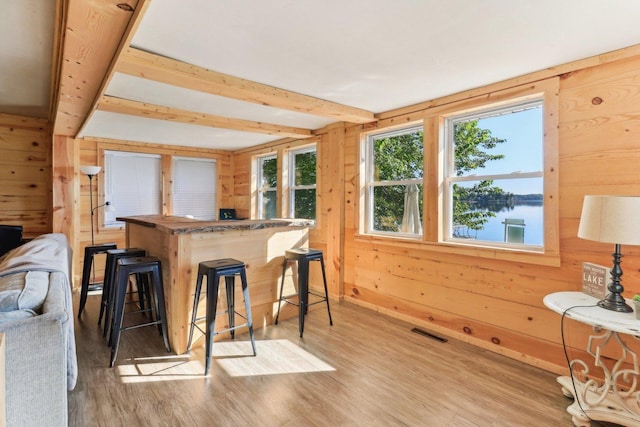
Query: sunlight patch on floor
x,y
162,368
235,357
274,357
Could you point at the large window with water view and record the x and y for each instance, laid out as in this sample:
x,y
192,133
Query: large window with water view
x,y
494,176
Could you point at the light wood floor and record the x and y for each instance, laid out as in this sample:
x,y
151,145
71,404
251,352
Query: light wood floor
x,y
366,370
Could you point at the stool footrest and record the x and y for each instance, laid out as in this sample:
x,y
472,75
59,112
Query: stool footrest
x,y
140,325
286,300
200,319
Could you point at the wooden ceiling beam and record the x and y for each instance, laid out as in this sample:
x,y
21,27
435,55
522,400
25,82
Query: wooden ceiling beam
x,y
147,65
151,111
91,33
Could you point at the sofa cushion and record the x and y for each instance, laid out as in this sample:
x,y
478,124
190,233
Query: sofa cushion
x,y
11,316
24,291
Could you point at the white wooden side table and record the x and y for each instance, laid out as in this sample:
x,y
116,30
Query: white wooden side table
x,y
615,399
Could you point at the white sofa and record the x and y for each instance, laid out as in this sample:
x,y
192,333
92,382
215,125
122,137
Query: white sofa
x,y
36,316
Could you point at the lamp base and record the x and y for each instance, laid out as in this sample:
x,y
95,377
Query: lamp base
x,y
615,304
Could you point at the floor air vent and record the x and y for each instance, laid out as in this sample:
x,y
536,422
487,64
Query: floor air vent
x,y
428,334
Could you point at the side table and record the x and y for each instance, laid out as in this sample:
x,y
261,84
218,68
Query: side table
x,y
616,398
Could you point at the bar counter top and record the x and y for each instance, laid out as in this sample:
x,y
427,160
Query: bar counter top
x,y
182,225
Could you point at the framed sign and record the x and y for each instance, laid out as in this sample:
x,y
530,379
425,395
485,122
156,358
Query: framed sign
x,y
595,279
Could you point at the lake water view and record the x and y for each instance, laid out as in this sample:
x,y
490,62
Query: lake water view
x,y
533,219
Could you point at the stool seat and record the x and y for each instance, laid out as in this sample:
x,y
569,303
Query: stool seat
x,y
302,256
308,253
228,265
228,268
89,253
151,270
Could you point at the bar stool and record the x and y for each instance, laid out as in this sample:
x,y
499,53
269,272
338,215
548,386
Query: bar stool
x,y
303,256
150,268
89,253
214,270
108,289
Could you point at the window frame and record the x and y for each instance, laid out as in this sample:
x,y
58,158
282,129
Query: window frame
x,y
292,178
370,183
450,178
262,190
433,117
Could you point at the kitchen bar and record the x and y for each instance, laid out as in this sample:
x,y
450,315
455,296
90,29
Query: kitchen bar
x,y
182,243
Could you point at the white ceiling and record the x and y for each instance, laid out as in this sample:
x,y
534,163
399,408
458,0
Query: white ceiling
x,y
376,55
26,31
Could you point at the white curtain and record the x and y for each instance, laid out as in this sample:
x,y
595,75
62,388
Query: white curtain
x,y
411,221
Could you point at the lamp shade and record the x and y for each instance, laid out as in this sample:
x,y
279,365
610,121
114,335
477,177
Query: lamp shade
x,y
611,219
90,170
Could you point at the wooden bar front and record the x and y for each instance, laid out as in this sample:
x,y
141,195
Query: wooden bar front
x,y
182,243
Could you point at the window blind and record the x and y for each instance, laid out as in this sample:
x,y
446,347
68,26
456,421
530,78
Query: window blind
x,y
194,188
133,185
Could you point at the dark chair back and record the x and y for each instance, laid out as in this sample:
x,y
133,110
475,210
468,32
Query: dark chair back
x,y
10,237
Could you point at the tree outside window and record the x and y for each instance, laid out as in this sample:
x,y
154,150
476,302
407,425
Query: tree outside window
x,y
303,183
394,181
267,187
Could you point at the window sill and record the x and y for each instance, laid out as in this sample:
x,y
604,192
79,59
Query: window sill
x,y
462,249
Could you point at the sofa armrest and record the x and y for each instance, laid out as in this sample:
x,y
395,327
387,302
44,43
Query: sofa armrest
x,y
37,359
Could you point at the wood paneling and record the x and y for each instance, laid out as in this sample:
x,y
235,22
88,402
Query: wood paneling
x,y
25,174
497,304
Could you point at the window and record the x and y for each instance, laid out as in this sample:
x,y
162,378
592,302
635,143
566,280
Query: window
x,y
133,185
302,185
194,188
267,186
394,185
493,185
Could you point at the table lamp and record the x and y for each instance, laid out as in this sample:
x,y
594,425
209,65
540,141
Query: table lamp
x,y
612,219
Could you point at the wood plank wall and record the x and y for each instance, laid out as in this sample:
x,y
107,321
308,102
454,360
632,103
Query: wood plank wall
x,y
91,152
25,174
495,304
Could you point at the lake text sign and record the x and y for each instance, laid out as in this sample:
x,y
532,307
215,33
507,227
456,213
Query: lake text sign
x,y
595,279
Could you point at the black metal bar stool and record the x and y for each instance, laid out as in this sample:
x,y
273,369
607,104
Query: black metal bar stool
x,y
108,289
151,269
303,256
214,270
89,253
